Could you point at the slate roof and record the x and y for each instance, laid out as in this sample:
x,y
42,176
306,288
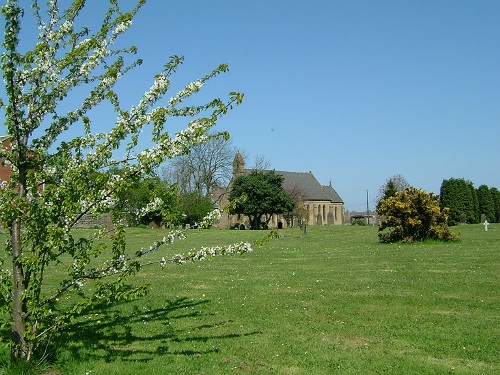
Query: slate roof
x,y
308,185
334,196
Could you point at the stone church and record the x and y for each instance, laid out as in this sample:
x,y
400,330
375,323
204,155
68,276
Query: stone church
x,y
320,204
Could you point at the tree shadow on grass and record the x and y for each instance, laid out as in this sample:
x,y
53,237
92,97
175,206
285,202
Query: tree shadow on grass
x,y
137,334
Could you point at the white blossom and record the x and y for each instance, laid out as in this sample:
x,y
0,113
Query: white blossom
x,y
66,27
152,206
119,29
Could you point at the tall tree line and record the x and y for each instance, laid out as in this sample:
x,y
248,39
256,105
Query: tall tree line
x,y
466,203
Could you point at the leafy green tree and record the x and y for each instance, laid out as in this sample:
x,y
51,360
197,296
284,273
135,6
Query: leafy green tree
x,y
59,158
133,202
195,207
459,196
165,198
495,195
486,204
259,195
413,215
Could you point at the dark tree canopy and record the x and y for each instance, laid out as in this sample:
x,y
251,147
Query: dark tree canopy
x,y
474,210
139,193
176,207
495,195
486,204
259,195
459,196
195,207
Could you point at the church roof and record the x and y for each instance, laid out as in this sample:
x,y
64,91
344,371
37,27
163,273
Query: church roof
x,y
334,196
308,186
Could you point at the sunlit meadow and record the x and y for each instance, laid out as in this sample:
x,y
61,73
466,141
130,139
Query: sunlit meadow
x,y
335,301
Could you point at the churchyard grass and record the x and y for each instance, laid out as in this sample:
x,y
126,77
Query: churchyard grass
x,y
335,301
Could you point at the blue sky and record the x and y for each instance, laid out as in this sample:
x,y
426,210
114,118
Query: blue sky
x,y
354,91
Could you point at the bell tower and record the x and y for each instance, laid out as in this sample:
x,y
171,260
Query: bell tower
x,y
238,165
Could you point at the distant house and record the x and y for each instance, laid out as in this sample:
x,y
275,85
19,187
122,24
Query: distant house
x,y
320,204
368,218
5,168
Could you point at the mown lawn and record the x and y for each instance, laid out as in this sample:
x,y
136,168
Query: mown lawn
x,y
336,301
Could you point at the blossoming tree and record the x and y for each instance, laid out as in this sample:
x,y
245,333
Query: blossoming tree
x,y
57,161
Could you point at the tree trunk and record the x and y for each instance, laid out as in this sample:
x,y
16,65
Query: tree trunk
x,y
19,349
255,221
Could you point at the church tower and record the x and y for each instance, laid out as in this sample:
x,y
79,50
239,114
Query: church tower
x,y
238,165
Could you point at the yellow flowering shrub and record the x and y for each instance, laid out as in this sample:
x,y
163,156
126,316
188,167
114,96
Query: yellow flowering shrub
x,y
413,215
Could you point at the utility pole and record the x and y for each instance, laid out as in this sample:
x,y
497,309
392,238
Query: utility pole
x,y
367,209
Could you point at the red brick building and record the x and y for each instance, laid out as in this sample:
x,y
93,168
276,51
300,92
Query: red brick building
x,y
5,169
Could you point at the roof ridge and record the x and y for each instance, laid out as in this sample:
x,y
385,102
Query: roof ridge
x,y
307,183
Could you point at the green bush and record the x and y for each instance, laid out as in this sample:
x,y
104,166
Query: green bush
x,y
358,222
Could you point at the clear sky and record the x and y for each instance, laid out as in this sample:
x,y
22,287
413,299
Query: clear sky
x,y
355,91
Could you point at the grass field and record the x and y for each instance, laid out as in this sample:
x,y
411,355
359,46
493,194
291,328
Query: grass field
x,y
335,301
